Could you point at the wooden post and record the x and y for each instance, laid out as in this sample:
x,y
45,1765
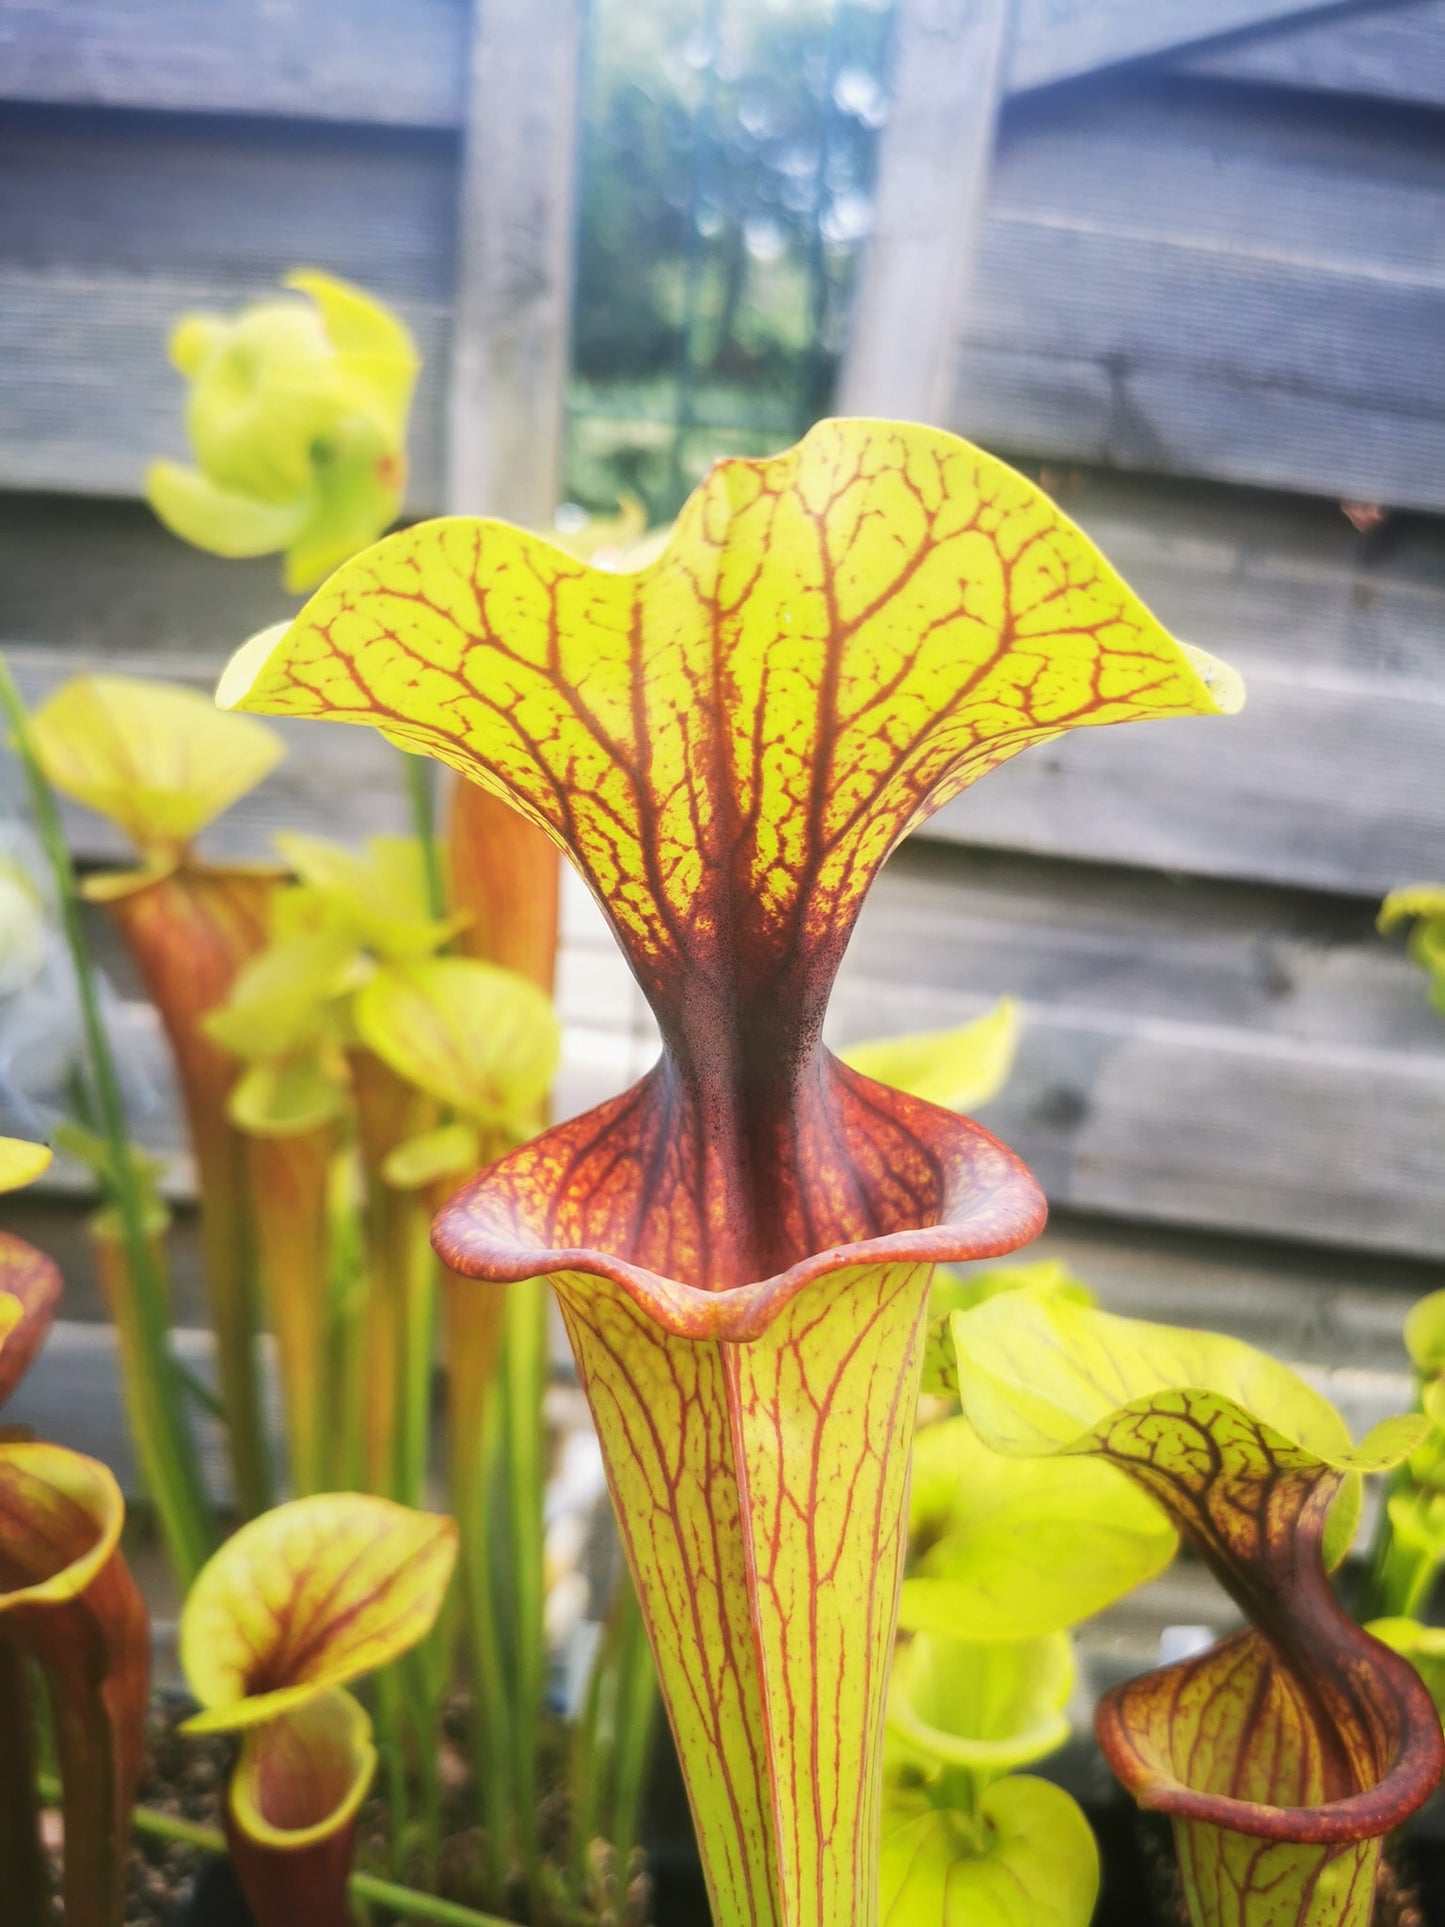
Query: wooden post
x,y
948,67
514,261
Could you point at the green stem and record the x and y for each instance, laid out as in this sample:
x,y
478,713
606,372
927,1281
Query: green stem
x,y
384,1893
612,1741
391,1714
431,1668
518,1567
418,1351
346,1329
492,1714
423,818
164,1442
1398,1581
1400,1568
228,1265
198,1391
636,1716
363,1887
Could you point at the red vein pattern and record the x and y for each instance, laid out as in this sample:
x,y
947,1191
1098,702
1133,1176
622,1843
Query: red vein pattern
x,y
728,744
756,1442
1285,1753
761,1491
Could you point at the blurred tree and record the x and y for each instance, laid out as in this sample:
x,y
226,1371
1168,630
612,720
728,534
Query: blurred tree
x,y
727,175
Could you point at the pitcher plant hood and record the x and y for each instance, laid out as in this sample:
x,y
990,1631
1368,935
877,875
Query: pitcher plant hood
x,y
727,744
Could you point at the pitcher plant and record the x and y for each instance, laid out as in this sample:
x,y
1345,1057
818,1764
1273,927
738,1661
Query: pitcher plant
x,y
728,743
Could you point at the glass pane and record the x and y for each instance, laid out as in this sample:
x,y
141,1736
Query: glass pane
x,y
727,165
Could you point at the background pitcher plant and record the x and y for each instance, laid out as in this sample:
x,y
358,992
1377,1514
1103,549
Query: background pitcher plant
x,y
156,761
70,1608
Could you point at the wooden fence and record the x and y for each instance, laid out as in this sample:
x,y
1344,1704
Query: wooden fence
x,y
1185,258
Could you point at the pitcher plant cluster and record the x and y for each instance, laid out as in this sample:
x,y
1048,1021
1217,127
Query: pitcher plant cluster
x,y
727,732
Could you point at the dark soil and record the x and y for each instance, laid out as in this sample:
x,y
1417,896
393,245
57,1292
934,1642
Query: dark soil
x,y
173,1885
185,1778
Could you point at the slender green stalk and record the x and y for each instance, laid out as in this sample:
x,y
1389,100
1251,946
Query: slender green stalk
x,y
401,1296
291,1186
638,1701
391,1718
229,1267
429,1670
164,1442
198,1391
518,1575
383,1893
1398,1577
492,1719
426,1714
1400,1569
363,1887
612,1741
423,818
418,1353
346,1329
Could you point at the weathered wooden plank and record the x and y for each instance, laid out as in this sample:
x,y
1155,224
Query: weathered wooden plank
x,y
353,60
226,203
1393,52
1285,966
1060,39
1180,420
89,397
1316,783
1354,186
512,300
376,61
933,168
106,578
1083,344
1174,1124
1277,581
1273,579
1128,226
1171,1122
1176,1065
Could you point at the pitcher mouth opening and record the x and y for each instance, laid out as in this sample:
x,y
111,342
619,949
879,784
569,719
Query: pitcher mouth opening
x,y
1398,1786
978,1201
